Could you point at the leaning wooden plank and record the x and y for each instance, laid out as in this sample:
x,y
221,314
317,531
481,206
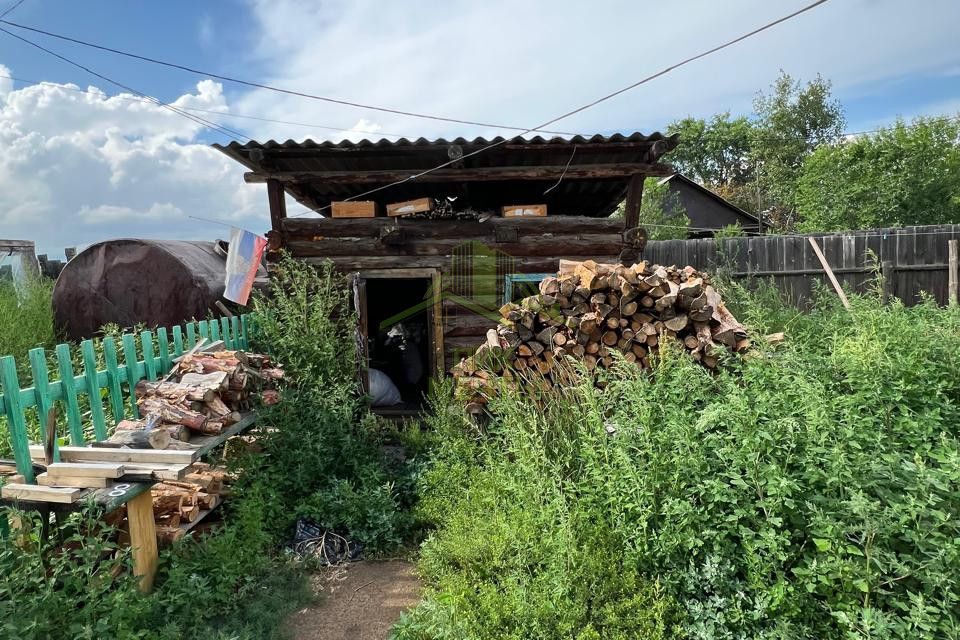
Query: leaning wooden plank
x,y
37,493
85,469
82,483
830,275
88,454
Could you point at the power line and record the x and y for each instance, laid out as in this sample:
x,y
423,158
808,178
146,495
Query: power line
x,y
228,132
311,125
594,103
11,8
292,92
213,111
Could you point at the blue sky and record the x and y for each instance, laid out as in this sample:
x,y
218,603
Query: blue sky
x,y
86,166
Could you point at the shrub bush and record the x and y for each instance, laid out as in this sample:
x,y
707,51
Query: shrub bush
x,y
321,458
803,491
325,459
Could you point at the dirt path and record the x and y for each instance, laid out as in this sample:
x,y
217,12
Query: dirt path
x,y
358,601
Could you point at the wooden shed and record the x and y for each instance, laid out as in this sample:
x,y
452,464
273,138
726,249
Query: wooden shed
x,y
706,209
445,274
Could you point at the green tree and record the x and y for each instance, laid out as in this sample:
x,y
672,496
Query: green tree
x,y
661,212
714,152
903,175
792,121
755,162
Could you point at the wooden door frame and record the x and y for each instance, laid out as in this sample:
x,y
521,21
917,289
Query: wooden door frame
x,y
435,327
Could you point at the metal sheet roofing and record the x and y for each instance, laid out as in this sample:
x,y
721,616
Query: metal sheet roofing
x,y
581,196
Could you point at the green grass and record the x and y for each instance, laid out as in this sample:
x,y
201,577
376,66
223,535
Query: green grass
x,y
803,491
26,318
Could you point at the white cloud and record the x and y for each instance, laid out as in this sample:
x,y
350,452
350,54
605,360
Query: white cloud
x,y
82,166
111,213
6,84
520,63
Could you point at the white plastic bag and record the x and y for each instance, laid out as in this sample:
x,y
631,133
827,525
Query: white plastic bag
x,y
383,393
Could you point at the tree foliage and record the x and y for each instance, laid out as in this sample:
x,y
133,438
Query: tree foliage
x,y
792,121
907,174
715,151
755,162
662,213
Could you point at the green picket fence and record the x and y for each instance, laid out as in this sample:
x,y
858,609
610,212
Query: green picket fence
x,y
158,349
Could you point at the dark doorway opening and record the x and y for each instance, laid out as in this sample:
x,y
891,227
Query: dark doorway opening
x,y
399,317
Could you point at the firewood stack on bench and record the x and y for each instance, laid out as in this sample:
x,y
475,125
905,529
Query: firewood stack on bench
x,y
179,504
589,311
209,393
202,396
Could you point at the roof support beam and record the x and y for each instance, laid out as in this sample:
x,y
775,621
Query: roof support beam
x,y
631,208
278,203
478,174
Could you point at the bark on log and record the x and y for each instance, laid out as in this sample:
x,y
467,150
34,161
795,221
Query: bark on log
x,y
175,391
156,438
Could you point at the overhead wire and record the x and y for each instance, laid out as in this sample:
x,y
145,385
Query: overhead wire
x,y
292,92
312,125
589,105
11,8
226,131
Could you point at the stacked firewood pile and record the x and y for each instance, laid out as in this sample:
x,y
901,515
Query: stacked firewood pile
x,y
207,394
177,503
589,311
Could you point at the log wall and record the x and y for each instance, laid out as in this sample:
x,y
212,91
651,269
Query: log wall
x,y
472,257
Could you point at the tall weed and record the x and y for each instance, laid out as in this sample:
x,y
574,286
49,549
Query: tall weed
x,y
803,491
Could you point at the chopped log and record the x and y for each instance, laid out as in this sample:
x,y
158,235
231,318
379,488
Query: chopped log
x,y
678,323
169,412
216,406
175,391
167,503
169,534
133,425
190,513
177,432
691,288
156,438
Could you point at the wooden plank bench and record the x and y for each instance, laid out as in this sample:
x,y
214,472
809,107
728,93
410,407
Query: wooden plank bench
x,y
115,384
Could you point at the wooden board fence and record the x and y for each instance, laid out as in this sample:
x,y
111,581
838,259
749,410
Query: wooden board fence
x,y
912,260
83,386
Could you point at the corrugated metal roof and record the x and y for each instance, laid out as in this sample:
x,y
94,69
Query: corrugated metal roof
x,y
584,196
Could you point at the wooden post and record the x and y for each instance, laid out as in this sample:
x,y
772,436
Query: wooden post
x,y
887,275
437,316
278,203
631,209
953,277
143,539
833,278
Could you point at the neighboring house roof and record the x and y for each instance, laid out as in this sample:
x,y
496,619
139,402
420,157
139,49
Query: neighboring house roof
x,y
595,171
705,208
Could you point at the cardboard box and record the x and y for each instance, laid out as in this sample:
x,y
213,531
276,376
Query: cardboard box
x,y
419,205
354,209
525,211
